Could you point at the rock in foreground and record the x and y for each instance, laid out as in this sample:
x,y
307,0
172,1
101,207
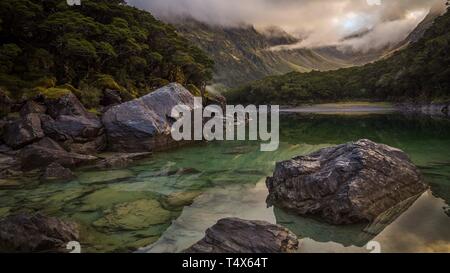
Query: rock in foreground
x,y
144,124
345,184
233,235
35,233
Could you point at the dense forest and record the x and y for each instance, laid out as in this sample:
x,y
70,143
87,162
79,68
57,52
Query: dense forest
x,y
48,47
419,73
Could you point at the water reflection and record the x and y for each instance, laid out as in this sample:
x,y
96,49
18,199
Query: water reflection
x,y
346,235
200,184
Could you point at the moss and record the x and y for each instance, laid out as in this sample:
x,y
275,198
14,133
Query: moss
x,y
54,92
94,111
194,90
104,81
47,82
89,95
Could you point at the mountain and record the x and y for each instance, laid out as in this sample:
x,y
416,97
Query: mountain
x,y
242,54
47,47
420,72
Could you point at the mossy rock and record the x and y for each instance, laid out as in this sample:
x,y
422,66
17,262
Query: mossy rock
x,y
10,184
49,82
142,243
107,197
135,215
180,199
4,211
53,93
194,90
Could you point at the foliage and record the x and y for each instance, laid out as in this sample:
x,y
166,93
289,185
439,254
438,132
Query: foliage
x,y
100,44
420,72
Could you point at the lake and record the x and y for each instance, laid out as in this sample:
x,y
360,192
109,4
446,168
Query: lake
x,y
165,203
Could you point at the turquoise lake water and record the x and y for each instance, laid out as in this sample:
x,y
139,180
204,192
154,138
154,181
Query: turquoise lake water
x,y
165,203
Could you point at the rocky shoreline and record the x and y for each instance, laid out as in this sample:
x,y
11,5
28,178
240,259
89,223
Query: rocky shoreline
x,y
54,135
349,183
433,109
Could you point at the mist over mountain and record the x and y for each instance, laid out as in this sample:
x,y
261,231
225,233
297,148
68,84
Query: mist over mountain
x,y
317,22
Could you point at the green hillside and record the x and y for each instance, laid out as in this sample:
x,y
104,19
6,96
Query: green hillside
x,y
420,72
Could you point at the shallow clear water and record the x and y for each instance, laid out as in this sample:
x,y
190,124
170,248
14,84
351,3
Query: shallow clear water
x,y
166,202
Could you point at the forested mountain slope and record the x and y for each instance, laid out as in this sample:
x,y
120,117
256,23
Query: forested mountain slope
x,y
420,72
49,47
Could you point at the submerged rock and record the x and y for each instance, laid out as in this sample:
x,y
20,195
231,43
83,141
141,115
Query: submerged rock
x,y
35,233
134,215
23,131
120,160
46,151
233,235
180,199
55,171
144,124
104,177
349,183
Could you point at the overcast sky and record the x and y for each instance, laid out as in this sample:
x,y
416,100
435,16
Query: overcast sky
x,y
318,22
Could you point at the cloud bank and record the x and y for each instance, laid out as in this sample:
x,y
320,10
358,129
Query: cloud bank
x,y
317,22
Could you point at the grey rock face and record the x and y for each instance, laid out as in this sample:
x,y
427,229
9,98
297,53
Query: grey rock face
x,y
70,124
23,131
35,233
111,97
144,124
233,235
46,151
32,107
67,105
349,183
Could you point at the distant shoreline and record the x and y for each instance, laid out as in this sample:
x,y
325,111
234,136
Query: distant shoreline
x,y
362,107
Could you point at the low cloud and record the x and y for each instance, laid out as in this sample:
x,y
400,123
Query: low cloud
x,y
316,22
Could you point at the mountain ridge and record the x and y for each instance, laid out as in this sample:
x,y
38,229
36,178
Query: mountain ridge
x,y
243,53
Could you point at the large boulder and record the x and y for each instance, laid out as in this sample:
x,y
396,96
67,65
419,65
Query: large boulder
x,y
144,124
353,182
24,131
69,123
46,151
36,233
233,235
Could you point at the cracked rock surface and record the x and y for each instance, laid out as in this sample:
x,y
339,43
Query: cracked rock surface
x,y
344,184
